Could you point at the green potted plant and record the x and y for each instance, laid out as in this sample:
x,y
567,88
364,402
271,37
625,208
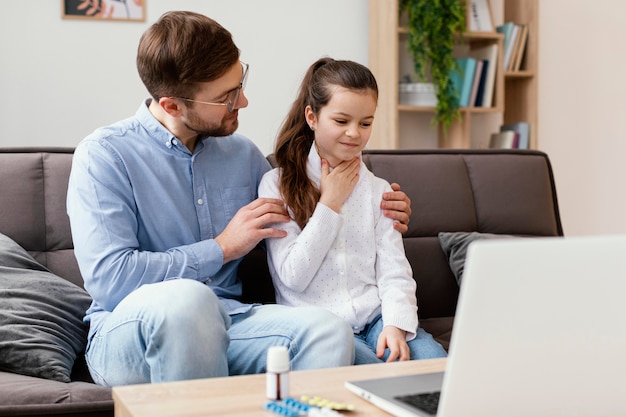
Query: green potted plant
x,y
434,27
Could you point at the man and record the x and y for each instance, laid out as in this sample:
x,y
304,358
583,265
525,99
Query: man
x,y
164,204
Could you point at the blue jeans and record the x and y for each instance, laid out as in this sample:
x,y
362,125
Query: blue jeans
x,y
422,347
179,330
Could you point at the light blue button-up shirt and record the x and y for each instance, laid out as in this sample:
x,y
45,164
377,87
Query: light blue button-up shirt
x,y
144,209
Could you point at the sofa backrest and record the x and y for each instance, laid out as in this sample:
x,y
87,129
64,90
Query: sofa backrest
x,y
487,191
33,187
492,191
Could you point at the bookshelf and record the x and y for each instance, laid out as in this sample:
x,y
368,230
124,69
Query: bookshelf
x,y
399,126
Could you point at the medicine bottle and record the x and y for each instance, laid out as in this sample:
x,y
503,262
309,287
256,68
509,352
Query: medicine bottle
x,y
277,379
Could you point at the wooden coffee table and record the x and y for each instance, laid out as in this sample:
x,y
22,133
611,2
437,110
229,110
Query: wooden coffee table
x,y
245,395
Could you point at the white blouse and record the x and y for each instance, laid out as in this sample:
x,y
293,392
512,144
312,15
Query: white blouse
x,y
352,263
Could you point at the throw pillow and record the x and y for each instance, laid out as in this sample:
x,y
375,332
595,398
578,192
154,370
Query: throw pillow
x,y
41,326
455,244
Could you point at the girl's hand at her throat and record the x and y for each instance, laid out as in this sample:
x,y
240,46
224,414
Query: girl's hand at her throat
x,y
336,186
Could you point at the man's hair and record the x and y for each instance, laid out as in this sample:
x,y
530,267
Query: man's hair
x,y
182,49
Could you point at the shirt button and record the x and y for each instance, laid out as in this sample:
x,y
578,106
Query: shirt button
x,y
200,202
174,142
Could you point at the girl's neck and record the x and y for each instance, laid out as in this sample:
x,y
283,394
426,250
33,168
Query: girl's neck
x,y
331,161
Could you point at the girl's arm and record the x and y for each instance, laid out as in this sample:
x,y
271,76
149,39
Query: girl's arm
x,y
394,278
295,259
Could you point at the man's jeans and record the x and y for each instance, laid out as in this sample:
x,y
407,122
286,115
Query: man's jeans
x,y
178,330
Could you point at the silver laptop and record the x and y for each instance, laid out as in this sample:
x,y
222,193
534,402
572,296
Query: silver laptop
x,y
540,330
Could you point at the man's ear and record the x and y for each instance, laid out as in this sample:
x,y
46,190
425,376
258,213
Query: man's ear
x,y
310,117
170,106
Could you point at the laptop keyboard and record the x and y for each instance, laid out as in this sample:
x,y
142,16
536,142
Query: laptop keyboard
x,y
427,401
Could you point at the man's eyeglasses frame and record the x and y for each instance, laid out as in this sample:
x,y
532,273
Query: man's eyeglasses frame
x,y
233,96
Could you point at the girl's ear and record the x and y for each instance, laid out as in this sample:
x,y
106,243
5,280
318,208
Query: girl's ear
x,y
310,117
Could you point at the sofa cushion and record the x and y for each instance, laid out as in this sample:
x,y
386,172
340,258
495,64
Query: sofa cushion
x,y
41,327
440,328
27,396
455,244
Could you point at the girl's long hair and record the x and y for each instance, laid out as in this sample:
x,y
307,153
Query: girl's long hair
x,y
296,137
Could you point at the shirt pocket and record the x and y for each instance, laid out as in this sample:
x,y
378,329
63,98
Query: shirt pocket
x,y
235,198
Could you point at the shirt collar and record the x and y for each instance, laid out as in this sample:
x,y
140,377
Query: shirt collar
x,y
158,132
314,165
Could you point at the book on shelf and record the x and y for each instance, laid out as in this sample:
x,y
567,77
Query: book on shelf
x,y
510,31
476,82
523,130
480,16
507,139
489,53
514,48
463,79
520,48
478,102
514,41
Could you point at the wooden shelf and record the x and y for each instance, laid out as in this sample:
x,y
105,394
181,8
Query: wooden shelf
x,y
519,74
423,109
404,126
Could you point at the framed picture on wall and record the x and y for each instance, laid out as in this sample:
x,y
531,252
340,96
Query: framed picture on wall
x,y
125,10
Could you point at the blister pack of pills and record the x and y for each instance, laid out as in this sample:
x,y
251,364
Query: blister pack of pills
x,y
308,406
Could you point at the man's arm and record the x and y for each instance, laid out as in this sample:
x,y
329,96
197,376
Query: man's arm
x,y
397,206
104,223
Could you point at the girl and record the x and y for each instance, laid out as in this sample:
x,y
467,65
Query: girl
x,y
340,251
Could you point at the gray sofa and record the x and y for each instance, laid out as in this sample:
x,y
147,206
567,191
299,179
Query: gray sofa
x,y
466,194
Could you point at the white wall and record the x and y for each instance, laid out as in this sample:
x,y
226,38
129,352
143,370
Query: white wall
x,y
582,90
60,79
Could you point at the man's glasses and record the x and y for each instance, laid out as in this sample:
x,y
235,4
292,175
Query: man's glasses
x,y
233,96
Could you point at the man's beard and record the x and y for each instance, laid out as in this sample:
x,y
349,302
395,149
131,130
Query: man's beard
x,y
204,128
